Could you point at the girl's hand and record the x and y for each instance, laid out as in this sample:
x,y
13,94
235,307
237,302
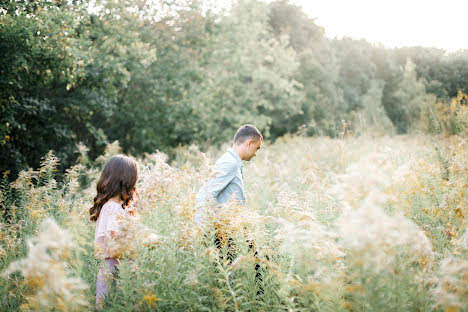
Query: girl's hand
x,y
113,253
112,246
153,239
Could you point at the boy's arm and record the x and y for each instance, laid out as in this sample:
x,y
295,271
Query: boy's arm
x,y
223,175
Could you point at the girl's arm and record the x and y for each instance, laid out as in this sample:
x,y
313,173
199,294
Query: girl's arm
x,y
153,239
108,231
112,249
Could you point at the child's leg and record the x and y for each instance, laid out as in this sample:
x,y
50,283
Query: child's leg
x,y
102,280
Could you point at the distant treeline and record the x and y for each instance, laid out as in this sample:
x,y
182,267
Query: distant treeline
x,y
157,76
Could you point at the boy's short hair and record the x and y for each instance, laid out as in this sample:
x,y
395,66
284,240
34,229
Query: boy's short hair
x,y
247,132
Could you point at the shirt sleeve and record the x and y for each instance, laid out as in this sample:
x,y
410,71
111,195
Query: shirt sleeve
x,y
223,174
108,220
108,223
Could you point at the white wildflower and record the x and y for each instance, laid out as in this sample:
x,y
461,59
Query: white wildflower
x,y
132,234
452,284
461,244
191,278
360,178
45,269
375,239
310,243
404,172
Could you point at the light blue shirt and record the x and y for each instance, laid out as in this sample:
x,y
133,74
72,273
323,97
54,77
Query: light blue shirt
x,y
228,181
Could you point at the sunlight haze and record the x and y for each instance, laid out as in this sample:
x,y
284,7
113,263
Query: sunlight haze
x,y
396,23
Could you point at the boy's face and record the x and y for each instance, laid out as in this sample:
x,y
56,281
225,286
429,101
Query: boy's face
x,y
252,147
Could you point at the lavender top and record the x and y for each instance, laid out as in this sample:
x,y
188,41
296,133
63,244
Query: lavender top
x,y
105,224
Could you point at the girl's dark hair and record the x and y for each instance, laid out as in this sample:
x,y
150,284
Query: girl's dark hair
x,y
119,177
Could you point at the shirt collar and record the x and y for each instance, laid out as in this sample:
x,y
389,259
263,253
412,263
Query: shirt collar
x,y
236,156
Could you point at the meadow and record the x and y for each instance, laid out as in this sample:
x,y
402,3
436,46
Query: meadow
x,y
347,224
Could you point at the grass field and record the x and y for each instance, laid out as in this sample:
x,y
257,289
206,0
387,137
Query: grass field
x,y
353,224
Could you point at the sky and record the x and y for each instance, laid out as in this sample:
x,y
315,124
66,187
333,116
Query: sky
x,y
396,23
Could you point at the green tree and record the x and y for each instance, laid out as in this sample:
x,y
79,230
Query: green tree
x,y
38,68
119,77
249,77
318,69
356,71
410,99
372,119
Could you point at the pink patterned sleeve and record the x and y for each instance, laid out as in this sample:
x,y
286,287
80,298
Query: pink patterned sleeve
x,y
108,220
106,223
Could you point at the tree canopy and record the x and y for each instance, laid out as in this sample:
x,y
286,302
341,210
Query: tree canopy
x,y
157,74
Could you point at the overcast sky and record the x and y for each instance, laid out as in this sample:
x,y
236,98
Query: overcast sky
x,y
394,23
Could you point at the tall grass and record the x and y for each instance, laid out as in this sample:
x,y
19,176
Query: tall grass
x,y
352,224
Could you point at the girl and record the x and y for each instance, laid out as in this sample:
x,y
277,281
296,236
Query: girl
x,y
115,190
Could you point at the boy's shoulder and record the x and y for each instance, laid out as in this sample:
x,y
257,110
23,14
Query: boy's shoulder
x,y
227,157
227,162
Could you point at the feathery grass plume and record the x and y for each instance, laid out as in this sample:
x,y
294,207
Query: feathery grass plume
x,y
432,193
37,190
243,261
41,198
372,171
312,204
11,241
24,180
190,157
191,278
48,166
232,218
461,244
405,173
82,150
451,291
156,181
73,206
375,239
450,118
47,273
410,175
131,235
292,206
309,242
457,148
72,179
110,150
299,233
317,262
163,189
236,216
314,250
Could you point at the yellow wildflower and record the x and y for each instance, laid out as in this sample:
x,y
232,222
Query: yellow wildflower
x,y
151,299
